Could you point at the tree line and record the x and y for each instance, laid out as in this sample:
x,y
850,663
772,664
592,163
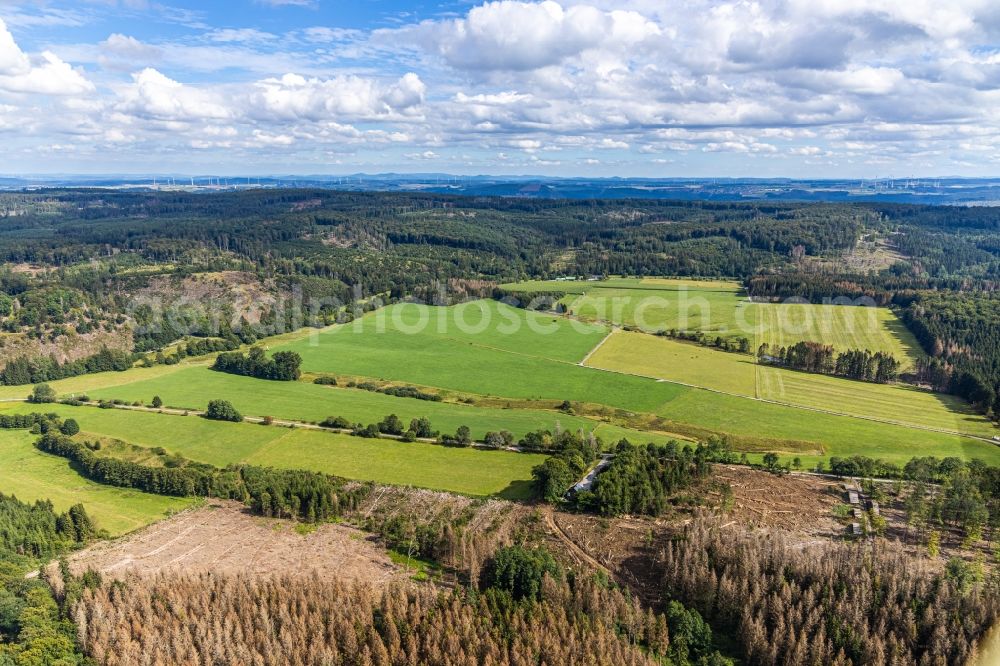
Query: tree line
x,y
306,496
861,364
33,370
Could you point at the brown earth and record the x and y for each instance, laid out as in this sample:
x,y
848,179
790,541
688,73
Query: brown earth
x,y
222,537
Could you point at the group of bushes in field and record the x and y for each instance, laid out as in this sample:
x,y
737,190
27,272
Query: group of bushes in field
x,y
861,364
282,366
739,344
393,426
192,347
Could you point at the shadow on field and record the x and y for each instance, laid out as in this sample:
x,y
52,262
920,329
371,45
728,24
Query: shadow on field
x,y
518,490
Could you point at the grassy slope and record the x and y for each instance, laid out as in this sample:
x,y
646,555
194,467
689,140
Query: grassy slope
x,y
100,380
193,387
643,354
892,402
735,373
844,327
839,435
33,475
468,471
715,307
452,362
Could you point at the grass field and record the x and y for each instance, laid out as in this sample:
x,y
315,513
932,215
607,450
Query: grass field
x,y
32,475
467,471
193,387
512,356
836,435
714,307
721,308
663,358
891,402
523,364
842,326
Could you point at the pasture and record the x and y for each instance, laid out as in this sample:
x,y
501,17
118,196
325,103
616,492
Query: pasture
x,y
890,402
667,359
832,434
842,326
467,471
685,362
193,387
32,475
524,363
653,304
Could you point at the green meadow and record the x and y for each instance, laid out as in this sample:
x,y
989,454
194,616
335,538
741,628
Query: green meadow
x,y
652,304
510,357
833,435
468,471
535,359
193,387
685,362
843,327
32,475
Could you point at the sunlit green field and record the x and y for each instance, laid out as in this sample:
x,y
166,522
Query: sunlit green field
x,y
842,326
653,304
721,308
193,387
536,359
32,475
652,356
891,402
510,357
835,435
688,363
468,471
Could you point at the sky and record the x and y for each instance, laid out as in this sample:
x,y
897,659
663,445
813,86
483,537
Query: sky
x,y
658,88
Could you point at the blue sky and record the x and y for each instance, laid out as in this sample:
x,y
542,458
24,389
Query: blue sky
x,y
799,88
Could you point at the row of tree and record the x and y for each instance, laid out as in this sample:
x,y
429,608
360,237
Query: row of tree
x,y
861,364
307,496
27,370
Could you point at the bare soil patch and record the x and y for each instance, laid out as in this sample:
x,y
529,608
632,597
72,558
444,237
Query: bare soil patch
x,y
797,503
224,538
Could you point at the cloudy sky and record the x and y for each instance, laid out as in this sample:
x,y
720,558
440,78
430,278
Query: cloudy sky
x,y
852,88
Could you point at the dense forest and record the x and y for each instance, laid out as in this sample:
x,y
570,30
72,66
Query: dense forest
x,y
35,625
830,604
